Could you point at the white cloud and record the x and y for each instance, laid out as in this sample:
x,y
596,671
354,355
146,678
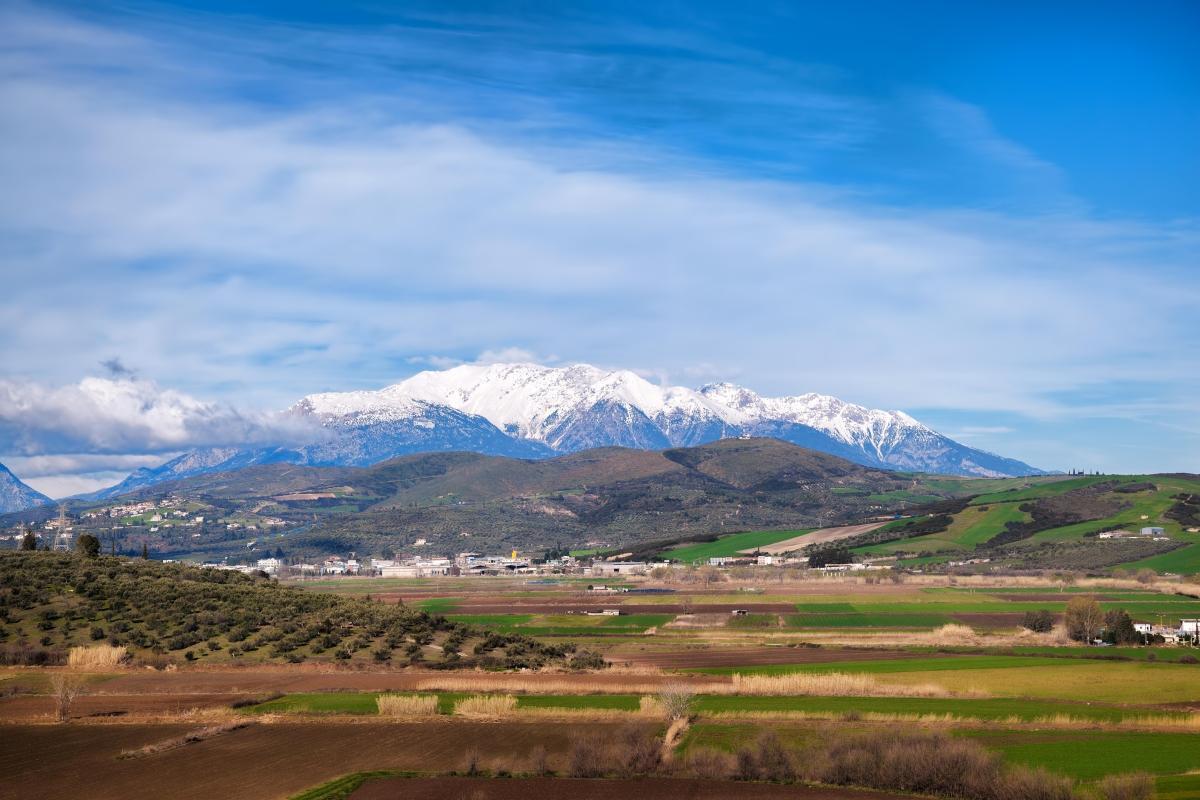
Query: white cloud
x,y
64,485
123,417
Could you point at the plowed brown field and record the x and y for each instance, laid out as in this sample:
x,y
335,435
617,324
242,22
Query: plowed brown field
x,y
47,762
577,789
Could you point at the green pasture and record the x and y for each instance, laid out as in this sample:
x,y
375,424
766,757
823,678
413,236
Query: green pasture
x,y
972,526
1050,489
1184,561
1092,754
730,545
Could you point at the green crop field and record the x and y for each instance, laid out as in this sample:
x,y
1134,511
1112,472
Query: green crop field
x,y
1002,708
730,545
1094,754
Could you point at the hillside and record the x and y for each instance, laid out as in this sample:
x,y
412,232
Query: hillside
x,y
1059,524
171,612
16,496
468,501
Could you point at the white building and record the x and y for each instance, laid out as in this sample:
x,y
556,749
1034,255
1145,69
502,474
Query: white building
x,y
718,561
1150,530
611,568
269,565
766,561
415,568
1189,627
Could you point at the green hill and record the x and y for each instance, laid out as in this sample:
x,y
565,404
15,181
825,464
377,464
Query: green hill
x,y
51,602
1058,525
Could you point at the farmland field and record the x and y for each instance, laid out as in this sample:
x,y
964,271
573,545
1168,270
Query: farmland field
x,y
729,545
836,656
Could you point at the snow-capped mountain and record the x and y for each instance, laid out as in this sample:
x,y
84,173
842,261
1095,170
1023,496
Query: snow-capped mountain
x,y
580,406
15,495
532,411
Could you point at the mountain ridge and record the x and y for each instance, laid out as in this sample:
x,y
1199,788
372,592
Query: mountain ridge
x,y
522,410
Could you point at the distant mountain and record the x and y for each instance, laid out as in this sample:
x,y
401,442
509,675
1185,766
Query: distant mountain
x,y
533,412
354,438
16,496
579,407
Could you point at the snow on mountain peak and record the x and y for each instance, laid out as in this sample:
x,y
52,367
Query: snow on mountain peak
x,y
532,401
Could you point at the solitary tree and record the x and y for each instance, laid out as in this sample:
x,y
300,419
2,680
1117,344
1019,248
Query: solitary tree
x,y
29,541
88,545
145,552
677,700
65,688
1084,619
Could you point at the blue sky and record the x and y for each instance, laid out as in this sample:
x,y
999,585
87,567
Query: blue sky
x,y
983,214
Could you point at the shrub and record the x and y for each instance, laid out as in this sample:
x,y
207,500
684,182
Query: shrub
x,y
1040,621
407,705
709,764
1134,786
585,757
471,761
539,761
934,764
774,761
98,656
637,751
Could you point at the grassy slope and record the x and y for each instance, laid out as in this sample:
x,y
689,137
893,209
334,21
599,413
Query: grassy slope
x,y
988,514
730,545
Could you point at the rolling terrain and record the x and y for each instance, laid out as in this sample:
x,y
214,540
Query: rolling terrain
x,y
468,501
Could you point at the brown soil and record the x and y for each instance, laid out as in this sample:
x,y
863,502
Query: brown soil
x,y
188,689
31,708
262,761
579,789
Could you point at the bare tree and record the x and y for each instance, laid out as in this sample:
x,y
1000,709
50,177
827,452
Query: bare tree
x,y
676,700
65,689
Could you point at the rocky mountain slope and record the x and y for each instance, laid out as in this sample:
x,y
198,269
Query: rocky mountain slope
x,y
15,495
